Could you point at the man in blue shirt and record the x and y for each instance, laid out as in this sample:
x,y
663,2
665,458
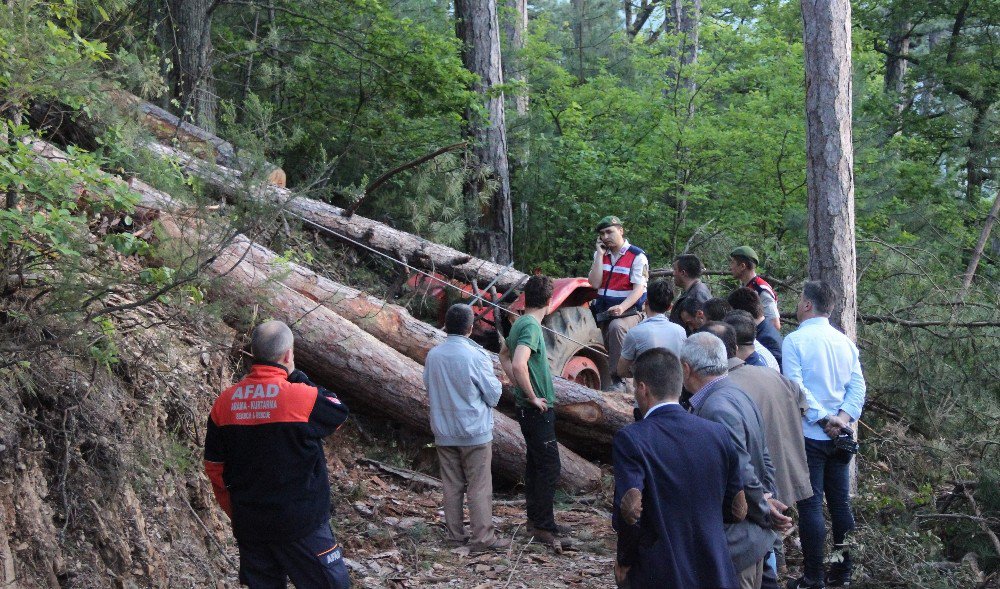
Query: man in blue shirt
x,y
827,364
655,331
462,390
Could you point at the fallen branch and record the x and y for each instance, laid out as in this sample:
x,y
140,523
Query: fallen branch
x,y
404,473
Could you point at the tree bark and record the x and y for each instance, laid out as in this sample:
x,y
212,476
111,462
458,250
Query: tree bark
x,y
191,30
830,154
403,246
362,370
490,236
515,28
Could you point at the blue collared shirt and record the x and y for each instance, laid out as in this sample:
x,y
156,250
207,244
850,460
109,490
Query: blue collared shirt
x,y
827,364
698,399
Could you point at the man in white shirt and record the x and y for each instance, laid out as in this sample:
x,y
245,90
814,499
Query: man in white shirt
x,y
827,364
619,272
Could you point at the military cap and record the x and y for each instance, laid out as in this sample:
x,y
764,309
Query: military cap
x,y
745,251
608,222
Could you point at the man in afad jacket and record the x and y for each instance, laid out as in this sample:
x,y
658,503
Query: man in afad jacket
x,y
264,456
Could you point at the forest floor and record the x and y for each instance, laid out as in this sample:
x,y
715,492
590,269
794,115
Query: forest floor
x,y
393,533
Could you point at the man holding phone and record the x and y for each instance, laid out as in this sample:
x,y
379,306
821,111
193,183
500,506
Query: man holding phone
x,y
619,272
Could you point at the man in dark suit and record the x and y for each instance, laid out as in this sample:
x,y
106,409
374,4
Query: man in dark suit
x,y
677,479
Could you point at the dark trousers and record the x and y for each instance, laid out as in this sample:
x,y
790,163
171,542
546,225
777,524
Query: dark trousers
x,y
541,470
313,562
829,472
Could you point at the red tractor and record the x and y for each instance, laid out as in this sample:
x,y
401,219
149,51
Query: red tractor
x,y
574,343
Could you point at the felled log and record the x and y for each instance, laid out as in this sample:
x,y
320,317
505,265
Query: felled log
x,y
586,419
364,371
368,373
170,129
401,245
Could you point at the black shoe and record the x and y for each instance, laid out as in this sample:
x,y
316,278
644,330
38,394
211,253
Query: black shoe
x,y
839,574
804,583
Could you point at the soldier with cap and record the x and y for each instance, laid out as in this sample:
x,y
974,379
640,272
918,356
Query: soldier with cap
x,y
619,273
743,262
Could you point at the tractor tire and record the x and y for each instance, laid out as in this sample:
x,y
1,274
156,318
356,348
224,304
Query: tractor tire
x,y
585,366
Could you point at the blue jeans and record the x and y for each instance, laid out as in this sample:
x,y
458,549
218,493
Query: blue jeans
x,y
829,473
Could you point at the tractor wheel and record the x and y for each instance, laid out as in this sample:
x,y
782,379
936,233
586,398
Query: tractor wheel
x,y
572,360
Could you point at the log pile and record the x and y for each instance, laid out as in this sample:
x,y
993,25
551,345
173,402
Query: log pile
x,y
365,371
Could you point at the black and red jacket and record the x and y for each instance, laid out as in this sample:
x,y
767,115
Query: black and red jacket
x,y
264,453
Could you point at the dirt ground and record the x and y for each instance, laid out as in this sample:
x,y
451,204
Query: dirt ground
x,y
392,530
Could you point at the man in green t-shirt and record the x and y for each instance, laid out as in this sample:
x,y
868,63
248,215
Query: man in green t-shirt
x,y
528,368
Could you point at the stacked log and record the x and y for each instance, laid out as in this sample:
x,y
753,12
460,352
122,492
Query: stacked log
x,y
588,417
339,354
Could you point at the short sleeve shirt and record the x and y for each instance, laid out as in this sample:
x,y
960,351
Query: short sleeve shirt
x,y
639,272
526,331
655,332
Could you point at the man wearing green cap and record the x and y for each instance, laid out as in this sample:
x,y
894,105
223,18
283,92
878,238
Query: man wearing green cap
x,y
619,273
743,263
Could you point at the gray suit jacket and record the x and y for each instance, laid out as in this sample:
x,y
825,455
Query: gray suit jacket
x,y
751,539
781,403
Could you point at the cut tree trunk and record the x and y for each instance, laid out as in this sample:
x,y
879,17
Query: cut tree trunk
x,y
830,155
587,419
588,416
403,246
362,370
206,145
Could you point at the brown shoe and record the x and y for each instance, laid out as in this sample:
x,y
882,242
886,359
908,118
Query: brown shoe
x,y
498,545
561,530
549,539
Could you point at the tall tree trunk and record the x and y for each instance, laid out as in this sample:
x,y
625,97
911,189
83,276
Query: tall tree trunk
x,y
491,236
690,16
628,15
190,23
897,48
830,154
515,27
977,160
579,23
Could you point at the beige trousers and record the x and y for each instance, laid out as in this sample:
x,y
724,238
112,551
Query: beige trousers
x,y
465,472
751,577
614,336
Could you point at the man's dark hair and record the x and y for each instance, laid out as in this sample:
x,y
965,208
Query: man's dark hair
x,y
691,306
458,319
725,332
745,260
659,295
690,264
744,326
716,309
746,299
661,371
820,295
537,291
